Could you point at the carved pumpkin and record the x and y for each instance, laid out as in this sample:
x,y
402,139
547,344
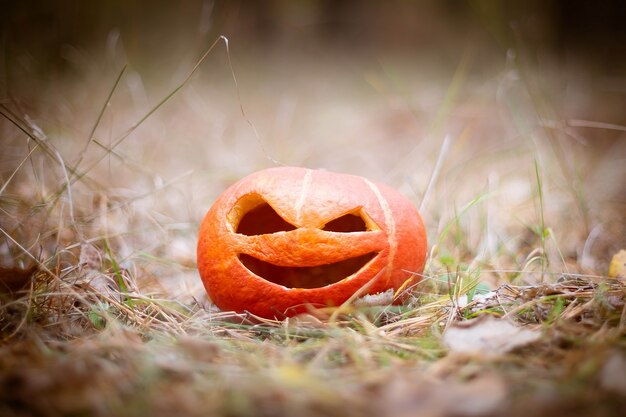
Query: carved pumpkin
x,y
286,238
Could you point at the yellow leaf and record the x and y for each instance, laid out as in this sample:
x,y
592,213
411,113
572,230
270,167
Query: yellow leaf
x,y
617,267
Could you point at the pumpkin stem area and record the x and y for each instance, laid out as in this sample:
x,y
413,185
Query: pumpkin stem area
x,y
306,277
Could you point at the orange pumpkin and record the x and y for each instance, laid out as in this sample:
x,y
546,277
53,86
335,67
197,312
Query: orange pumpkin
x,y
285,238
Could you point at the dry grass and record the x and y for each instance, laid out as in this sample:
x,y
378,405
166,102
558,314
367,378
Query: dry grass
x,y
104,185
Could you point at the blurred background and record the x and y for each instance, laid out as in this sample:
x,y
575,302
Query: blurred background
x,y
566,30
365,87
160,36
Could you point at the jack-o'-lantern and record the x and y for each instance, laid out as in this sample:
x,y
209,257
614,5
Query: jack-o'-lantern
x,y
286,239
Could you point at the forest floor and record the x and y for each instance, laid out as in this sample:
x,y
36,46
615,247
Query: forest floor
x,y
518,171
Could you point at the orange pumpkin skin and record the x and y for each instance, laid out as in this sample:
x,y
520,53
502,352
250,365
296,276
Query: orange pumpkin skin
x,y
392,242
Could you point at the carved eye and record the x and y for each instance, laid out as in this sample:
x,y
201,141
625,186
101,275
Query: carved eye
x,y
348,223
262,220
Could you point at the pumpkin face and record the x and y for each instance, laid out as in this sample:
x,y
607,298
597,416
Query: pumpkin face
x,y
284,239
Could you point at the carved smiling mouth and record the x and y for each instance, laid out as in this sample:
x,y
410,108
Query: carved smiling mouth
x,y
306,277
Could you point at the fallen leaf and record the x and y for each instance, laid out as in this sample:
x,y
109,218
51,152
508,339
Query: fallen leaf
x,y
617,267
90,257
103,284
15,279
416,395
306,321
613,374
488,335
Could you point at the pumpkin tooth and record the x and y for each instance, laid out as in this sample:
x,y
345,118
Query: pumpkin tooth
x,y
306,277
